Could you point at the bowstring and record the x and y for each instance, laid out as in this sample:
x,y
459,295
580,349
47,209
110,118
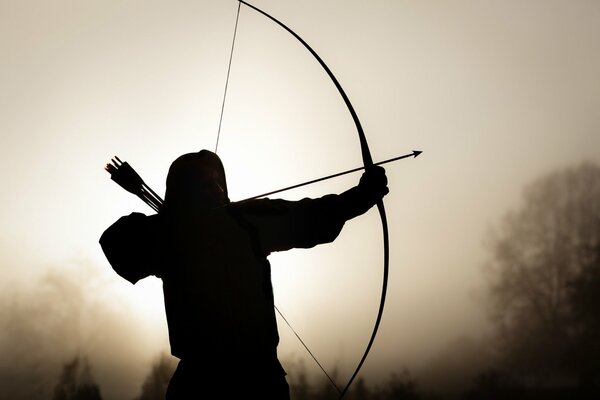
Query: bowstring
x,y
237,18
309,352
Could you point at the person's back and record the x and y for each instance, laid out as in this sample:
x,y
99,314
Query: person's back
x,y
217,288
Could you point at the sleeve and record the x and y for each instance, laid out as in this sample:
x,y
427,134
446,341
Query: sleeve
x,y
281,225
132,246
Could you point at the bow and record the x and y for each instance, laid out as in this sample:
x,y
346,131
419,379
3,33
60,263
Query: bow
x,y
368,162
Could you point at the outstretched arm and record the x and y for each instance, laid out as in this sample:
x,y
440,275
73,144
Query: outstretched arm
x,y
280,225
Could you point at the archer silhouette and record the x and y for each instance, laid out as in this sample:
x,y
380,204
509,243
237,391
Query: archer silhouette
x,y
211,255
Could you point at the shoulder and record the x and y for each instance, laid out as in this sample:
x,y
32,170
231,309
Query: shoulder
x,y
132,227
132,245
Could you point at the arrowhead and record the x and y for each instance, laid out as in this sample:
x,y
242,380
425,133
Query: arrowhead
x,y
416,153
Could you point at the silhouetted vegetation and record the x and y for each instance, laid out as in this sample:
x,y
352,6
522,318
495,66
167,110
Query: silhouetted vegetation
x,y
545,288
76,382
155,385
397,387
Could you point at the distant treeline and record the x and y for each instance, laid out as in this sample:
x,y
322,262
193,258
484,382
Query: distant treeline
x,y
77,383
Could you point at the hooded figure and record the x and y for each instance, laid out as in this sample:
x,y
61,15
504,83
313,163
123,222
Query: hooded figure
x,y
211,255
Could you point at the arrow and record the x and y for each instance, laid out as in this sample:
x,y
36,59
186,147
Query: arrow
x,y
122,173
414,154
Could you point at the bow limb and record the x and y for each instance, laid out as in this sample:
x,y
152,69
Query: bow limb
x,y
368,162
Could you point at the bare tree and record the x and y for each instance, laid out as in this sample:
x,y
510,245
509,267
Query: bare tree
x,y
157,381
545,278
76,382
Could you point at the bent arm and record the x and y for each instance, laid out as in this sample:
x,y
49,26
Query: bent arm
x,y
132,245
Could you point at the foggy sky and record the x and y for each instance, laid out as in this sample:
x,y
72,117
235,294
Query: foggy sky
x,y
494,93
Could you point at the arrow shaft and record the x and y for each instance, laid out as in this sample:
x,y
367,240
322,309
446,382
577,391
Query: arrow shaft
x,y
324,178
155,201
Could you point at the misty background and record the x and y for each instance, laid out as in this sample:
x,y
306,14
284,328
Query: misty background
x,y
497,95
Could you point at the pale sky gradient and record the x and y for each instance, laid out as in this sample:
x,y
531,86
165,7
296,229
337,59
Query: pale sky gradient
x,y
495,94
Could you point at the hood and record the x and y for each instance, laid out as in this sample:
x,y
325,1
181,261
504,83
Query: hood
x,y
196,180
